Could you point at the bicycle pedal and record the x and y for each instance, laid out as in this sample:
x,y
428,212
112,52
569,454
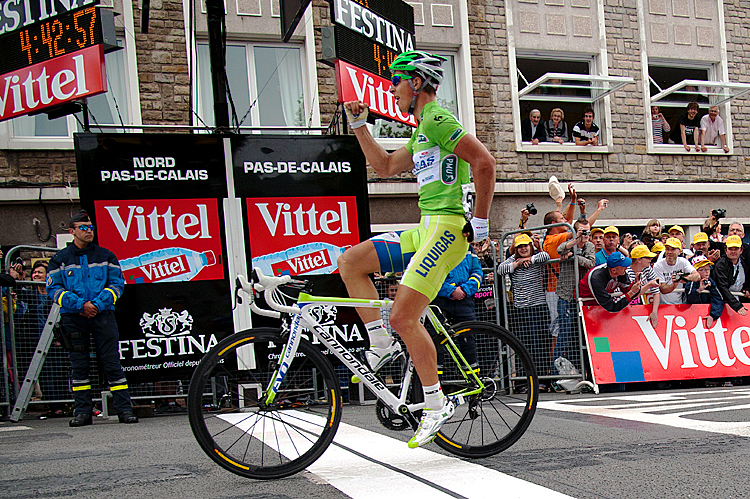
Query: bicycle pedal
x,y
457,400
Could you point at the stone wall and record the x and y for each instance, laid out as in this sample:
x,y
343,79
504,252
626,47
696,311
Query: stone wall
x,y
163,77
629,162
19,167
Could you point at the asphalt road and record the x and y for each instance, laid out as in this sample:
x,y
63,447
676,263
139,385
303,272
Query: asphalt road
x,y
665,444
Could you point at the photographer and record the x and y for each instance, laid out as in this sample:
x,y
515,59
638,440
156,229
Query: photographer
x,y
694,291
730,274
673,270
712,227
566,285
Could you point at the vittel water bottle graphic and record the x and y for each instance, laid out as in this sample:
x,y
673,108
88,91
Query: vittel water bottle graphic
x,y
310,258
166,265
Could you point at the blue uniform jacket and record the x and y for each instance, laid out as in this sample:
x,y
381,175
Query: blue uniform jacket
x,y
467,274
77,275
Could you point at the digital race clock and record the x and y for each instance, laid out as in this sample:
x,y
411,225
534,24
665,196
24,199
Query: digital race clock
x,y
57,36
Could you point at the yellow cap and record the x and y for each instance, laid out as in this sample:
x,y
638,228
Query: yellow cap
x,y
734,242
522,239
674,243
641,251
677,228
658,247
701,260
596,229
700,237
612,228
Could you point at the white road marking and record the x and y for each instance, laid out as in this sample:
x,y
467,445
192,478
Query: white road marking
x,y
349,472
14,428
649,409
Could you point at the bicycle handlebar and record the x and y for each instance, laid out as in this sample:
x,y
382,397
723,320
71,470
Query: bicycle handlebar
x,y
267,285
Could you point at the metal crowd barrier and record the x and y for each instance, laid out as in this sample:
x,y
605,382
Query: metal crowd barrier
x,y
556,344
27,356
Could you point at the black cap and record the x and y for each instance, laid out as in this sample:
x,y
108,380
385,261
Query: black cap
x,y
79,216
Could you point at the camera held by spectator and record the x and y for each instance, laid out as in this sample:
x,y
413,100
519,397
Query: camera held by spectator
x,y
680,276
531,209
719,213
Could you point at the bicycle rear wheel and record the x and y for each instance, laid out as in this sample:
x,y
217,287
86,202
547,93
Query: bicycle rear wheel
x,y
243,433
493,420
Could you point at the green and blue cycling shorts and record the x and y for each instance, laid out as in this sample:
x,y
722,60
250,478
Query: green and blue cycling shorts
x,y
424,254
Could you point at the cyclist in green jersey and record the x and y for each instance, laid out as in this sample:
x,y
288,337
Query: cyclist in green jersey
x,y
439,154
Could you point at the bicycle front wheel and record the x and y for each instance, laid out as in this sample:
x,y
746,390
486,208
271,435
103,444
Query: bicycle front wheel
x,y
238,427
492,420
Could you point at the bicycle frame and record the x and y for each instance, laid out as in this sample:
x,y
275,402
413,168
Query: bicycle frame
x,y
302,316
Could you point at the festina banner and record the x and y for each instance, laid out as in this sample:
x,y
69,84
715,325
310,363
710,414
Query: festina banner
x,y
353,83
54,82
624,347
156,202
305,203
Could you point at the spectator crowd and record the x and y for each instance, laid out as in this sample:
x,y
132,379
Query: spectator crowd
x,y
604,266
693,130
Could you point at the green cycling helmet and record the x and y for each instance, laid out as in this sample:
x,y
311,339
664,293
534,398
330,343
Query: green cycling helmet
x,y
428,66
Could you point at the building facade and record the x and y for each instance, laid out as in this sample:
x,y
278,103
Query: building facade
x,y
505,58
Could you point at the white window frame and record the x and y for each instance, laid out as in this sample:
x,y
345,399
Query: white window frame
x,y
308,67
464,83
254,117
600,87
600,103
718,92
9,141
718,72
716,98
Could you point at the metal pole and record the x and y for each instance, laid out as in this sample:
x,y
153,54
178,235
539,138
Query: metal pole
x,y
85,109
217,51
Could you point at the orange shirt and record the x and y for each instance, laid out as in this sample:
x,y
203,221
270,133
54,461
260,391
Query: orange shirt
x,y
550,246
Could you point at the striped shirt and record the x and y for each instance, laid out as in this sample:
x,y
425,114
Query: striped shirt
x,y
526,283
647,275
660,128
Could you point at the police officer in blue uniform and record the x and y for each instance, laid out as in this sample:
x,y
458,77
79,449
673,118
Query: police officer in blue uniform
x,y
85,280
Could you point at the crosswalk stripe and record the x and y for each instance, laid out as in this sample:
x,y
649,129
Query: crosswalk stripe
x,y
436,475
653,409
14,428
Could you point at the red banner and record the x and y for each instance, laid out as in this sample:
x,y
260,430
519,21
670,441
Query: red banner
x,y
162,240
296,235
353,83
624,346
51,83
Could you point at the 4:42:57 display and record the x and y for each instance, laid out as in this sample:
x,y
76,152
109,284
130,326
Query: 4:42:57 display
x,y
65,34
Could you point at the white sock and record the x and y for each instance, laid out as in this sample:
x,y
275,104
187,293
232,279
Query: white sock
x,y
433,397
379,335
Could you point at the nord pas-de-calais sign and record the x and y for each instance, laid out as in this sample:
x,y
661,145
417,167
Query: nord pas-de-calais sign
x,y
367,36
157,202
53,59
625,347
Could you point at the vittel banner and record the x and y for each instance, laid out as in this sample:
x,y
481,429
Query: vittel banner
x,y
297,235
625,347
52,83
164,240
157,203
353,83
306,200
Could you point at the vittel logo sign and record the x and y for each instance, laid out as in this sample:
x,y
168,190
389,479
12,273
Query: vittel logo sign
x,y
718,346
162,240
278,224
356,84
